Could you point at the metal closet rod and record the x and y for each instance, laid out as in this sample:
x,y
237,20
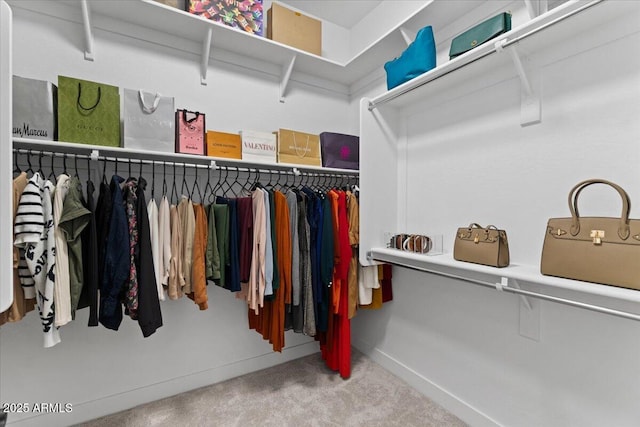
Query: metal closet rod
x,y
126,160
500,287
507,43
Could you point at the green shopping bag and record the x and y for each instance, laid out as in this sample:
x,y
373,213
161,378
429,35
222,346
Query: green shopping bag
x,y
88,112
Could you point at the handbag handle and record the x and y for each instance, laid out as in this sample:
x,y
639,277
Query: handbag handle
x,y
295,145
184,116
80,94
623,229
475,225
154,106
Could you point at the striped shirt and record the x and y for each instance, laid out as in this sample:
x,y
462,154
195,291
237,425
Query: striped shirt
x,y
34,233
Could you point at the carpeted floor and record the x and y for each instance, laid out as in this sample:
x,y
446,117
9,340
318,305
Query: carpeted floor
x,y
302,392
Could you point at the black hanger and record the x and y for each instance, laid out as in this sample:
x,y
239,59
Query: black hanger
x,y
174,189
164,179
16,166
75,165
184,181
64,164
52,174
104,171
40,164
208,186
30,168
153,178
115,172
196,186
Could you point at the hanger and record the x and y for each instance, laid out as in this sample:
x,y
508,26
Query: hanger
x,y
115,172
16,166
153,177
104,171
75,165
208,186
52,174
40,164
184,182
218,185
174,189
64,164
196,185
30,168
164,179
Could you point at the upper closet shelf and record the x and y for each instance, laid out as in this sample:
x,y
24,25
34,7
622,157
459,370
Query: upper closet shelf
x,y
535,35
128,17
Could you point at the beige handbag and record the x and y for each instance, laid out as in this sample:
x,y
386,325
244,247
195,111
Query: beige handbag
x,y
594,249
487,246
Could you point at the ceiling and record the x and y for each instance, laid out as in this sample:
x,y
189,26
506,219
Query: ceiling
x,y
345,13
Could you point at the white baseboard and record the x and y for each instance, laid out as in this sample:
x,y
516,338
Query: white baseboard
x,y
130,398
433,391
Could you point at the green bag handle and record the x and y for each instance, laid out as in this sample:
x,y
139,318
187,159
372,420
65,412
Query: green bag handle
x,y
80,94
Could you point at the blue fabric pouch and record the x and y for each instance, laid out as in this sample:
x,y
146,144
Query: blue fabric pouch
x,y
417,59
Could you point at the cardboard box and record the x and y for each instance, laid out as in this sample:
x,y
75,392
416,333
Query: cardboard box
x,y
294,29
243,15
222,144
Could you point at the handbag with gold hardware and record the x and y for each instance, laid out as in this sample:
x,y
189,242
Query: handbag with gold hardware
x,y
594,249
482,245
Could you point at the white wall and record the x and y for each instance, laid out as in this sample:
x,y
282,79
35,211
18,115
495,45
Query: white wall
x,y
469,160
101,371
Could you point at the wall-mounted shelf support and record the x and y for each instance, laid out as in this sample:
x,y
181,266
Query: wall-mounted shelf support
x,y
530,104
287,69
536,7
89,53
206,49
408,35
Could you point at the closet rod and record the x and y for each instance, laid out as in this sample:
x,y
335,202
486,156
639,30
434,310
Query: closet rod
x,y
591,307
125,160
384,100
129,153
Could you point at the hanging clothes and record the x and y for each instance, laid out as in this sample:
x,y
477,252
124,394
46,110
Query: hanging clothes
x,y
73,220
35,234
131,290
221,214
283,293
20,305
232,274
257,277
304,234
156,250
353,213
198,276
294,311
176,275
245,236
116,260
188,218
212,255
164,241
62,283
268,261
149,315
91,278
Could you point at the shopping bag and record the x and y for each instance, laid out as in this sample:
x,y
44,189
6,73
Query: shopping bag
x,y
340,150
298,148
88,112
190,131
259,147
34,108
148,121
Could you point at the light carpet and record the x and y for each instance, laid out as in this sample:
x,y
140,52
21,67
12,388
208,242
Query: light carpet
x,y
302,392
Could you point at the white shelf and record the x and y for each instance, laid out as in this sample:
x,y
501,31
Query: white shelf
x,y
524,273
118,152
181,25
532,36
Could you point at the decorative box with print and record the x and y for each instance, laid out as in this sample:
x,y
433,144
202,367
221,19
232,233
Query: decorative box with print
x,y
245,15
190,131
258,147
34,108
222,144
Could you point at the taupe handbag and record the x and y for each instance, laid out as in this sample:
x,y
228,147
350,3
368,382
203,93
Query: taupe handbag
x,y
594,249
482,245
